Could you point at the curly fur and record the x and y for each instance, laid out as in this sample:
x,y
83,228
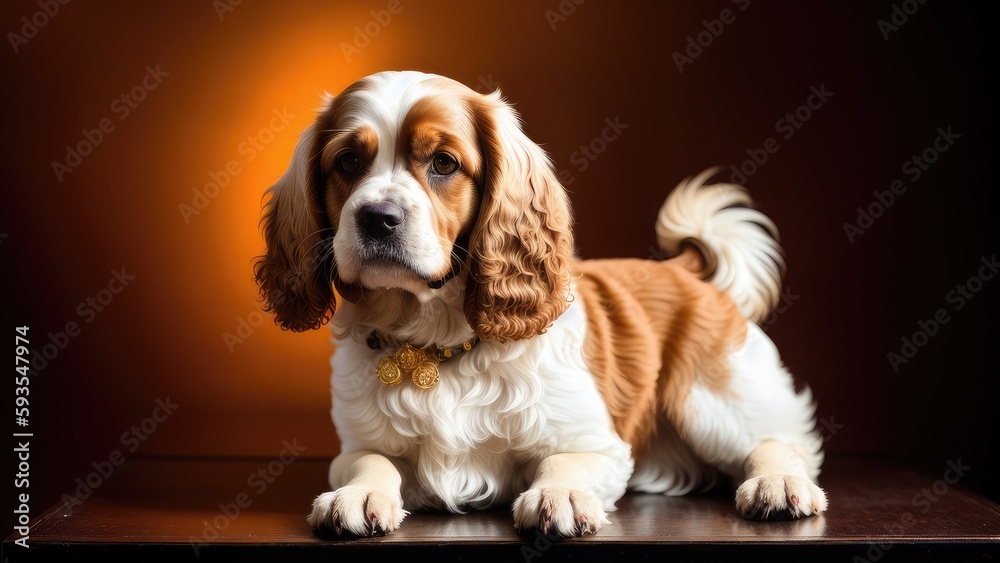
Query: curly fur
x,y
522,243
742,241
294,281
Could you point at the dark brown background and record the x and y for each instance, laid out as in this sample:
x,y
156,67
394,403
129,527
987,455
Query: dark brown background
x,y
163,335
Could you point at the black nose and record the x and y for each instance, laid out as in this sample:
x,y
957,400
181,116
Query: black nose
x,y
379,220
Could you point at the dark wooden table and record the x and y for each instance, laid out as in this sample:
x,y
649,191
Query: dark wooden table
x,y
151,510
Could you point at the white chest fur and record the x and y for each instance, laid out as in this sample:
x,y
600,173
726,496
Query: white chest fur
x,y
473,439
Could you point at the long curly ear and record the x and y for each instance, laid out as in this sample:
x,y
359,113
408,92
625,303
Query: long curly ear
x,y
294,274
522,244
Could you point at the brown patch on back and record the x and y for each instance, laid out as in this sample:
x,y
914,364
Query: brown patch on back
x,y
653,330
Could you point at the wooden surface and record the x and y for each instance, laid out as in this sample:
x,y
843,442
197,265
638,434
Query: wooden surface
x,y
187,510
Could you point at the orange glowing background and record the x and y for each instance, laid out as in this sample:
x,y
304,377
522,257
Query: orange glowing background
x,y
227,76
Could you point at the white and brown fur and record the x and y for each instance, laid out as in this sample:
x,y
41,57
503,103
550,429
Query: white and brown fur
x,y
589,378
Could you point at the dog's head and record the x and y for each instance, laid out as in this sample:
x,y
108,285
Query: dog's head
x,y
404,181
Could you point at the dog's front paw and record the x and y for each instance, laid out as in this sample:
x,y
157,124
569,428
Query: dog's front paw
x,y
778,497
558,512
355,511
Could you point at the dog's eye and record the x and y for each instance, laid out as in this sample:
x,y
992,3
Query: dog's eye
x,y
349,162
444,164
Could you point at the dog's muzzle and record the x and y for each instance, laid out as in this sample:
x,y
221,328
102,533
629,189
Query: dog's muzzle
x,y
378,221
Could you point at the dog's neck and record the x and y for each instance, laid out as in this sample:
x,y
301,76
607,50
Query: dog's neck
x,y
436,317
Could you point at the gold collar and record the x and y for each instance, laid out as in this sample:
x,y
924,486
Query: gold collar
x,y
421,364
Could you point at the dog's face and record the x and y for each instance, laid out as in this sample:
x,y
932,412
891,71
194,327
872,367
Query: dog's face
x,y
399,168
408,180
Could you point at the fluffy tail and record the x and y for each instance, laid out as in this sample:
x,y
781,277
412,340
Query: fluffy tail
x,y
738,244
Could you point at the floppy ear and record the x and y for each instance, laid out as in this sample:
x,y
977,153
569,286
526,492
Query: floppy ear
x,y
295,272
522,244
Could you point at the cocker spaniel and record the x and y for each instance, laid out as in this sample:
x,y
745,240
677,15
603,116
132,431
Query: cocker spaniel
x,y
478,361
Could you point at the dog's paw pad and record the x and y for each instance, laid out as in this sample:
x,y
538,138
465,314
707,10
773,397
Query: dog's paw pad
x,y
775,497
356,512
558,512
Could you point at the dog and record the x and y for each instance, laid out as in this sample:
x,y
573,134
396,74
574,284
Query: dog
x,y
478,361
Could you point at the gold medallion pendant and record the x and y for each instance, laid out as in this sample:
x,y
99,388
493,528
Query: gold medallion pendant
x,y
409,357
426,375
421,364
388,371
